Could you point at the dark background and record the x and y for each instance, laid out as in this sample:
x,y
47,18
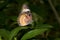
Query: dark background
x,y
43,11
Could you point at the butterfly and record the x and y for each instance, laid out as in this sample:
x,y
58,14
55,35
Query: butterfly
x,y
25,17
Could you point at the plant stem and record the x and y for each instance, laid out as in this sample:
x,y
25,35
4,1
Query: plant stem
x,y
55,12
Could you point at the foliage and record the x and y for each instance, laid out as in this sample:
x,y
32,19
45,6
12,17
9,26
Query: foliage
x,y
46,20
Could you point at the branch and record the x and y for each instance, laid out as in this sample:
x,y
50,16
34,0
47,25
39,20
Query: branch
x,y
55,12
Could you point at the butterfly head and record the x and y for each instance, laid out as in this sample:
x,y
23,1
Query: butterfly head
x,y
25,9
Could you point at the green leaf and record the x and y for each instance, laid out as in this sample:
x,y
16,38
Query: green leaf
x,y
15,31
57,39
0,38
33,33
4,33
44,26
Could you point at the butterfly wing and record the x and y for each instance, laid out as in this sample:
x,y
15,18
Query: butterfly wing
x,y
24,19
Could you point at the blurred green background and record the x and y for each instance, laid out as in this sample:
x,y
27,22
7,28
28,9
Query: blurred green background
x,y
46,20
